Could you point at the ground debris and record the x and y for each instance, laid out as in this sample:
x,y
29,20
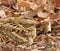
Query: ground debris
x,y
29,25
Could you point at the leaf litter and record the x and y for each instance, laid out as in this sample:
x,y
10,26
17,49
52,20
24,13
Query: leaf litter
x,y
29,25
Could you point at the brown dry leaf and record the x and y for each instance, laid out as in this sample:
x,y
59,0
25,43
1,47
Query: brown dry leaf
x,y
8,2
53,16
37,1
57,3
27,4
49,8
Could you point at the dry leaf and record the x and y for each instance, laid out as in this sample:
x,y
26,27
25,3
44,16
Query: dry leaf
x,y
2,13
27,4
8,2
57,4
42,14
